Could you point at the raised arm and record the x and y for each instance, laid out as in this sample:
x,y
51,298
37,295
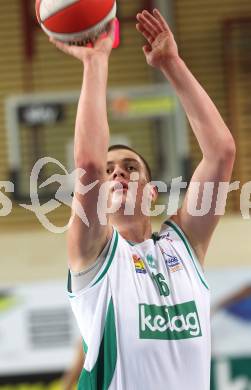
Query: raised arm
x,y
215,140
86,240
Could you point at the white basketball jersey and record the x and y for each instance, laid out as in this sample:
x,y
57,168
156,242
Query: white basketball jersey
x,y
145,317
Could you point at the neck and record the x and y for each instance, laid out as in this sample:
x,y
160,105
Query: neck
x,y
131,228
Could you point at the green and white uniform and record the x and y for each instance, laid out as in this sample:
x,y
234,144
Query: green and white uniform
x,y
145,317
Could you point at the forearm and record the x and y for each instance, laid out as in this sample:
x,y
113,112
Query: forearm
x,y
208,126
91,129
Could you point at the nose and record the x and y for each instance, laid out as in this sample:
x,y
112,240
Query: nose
x,y
118,172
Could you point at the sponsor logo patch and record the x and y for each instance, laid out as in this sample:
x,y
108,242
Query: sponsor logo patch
x,y
176,322
139,264
173,263
151,261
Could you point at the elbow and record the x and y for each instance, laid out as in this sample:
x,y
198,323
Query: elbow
x,y
91,167
228,150
222,151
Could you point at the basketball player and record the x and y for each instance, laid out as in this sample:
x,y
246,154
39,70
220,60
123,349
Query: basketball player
x,y
142,301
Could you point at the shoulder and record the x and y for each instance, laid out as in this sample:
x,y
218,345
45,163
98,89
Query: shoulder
x,y
181,243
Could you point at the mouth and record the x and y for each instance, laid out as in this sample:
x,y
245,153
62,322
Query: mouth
x,y
120,186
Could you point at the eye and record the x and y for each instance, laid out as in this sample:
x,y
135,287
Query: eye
x,y
131,168
108,171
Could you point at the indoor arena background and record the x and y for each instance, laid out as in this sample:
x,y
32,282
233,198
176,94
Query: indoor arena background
x,y
39,87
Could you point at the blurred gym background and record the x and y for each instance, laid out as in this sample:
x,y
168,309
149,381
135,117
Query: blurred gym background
x,y
39,88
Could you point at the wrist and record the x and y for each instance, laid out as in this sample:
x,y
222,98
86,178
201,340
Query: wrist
x,y
95,69
169,65
95,59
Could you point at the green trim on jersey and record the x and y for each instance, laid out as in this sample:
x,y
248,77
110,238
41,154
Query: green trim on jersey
x,y
155,237
131,243
85,346
109,262
100,377
69,287
196,263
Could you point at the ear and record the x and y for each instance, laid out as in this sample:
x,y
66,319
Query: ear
x,y
154,193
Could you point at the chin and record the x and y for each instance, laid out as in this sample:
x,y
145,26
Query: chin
x,y
117,203
121,203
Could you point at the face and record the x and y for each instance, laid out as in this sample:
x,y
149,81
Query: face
x,y
128,177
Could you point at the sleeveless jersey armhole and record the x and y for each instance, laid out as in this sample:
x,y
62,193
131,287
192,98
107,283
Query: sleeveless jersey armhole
x,y
190,251
80,280
108,253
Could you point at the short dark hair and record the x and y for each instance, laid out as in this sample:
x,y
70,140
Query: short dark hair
x,y
147,167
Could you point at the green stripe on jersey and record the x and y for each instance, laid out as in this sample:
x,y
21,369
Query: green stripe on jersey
x,y
85,346
189,249
100,377
109,262
69,287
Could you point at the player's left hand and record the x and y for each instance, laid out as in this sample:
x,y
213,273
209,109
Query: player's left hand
x,y
161,45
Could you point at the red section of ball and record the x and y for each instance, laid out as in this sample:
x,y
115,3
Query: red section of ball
x,y
79,16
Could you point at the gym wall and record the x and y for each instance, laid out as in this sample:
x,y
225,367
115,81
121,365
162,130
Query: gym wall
x,y
33,65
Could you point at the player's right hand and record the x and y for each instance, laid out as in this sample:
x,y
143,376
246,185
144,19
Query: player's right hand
x,y
102,47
